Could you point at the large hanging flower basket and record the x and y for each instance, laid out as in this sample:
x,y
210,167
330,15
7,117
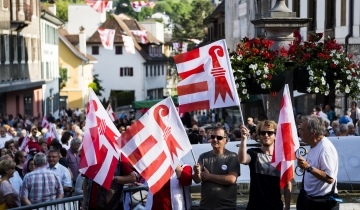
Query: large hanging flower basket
x,y
257,68
277,82
305,81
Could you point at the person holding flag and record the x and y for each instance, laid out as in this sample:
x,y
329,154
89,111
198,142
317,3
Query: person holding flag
x,y
264,178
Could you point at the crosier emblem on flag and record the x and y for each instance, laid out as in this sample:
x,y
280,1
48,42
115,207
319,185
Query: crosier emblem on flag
x,y
286,142
206,75
107,38
100,151
100,5
111,113
155,143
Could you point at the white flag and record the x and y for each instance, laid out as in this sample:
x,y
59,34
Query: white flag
x,y
107,37
129,44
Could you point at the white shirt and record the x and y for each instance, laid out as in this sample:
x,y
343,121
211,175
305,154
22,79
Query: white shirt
x,y
63,173
16,181
77,113
213,117
4,139
324,116
323,157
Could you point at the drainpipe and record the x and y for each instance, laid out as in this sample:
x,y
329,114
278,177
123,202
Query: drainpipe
x,y
351,23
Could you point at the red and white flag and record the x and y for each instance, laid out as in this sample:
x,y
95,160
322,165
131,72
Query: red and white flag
x,y
286,142
141,33
100,5
107,38
45,123
100,151
129,44
155,143
207,78
25,144
176,46
52,134
137,5
111,113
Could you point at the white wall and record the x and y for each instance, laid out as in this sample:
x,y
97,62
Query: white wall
x,y
108,68
158,81
155,28
90,19
165,17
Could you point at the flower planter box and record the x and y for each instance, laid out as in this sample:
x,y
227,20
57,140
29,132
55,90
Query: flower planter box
x,y
301,81
277,82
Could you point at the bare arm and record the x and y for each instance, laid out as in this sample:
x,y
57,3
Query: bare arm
x,y
60,196
319,174
67,189
287,195
129,178
243,157
25,201
227,179
10,201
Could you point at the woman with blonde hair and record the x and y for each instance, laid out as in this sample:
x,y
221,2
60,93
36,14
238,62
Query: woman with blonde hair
x,y
8,194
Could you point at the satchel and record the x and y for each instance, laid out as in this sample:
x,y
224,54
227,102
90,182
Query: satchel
x,y
136,197
111,199
306,202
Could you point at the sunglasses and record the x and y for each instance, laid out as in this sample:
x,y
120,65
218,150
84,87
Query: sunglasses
x,y
217,137
269,133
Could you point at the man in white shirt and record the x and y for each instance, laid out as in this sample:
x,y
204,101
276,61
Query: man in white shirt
x,y
322,162
4,137
53,157
321,113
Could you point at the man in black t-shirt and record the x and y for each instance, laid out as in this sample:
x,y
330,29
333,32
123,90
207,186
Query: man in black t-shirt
x,y
264,178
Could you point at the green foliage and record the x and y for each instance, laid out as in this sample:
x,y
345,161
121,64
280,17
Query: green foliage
x,y
62,7
104,102
192,25
63,77
96,86
175,9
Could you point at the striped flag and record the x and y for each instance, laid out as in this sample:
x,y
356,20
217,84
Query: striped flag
x,y
100,150
107,38
137,5
155,143
141,33
111,113
129,44
100,5
207,78
286,142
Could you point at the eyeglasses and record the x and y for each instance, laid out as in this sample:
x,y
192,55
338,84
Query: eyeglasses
x,y
219,138
269,133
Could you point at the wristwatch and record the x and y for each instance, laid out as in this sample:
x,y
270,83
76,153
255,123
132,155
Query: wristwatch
x,y
309,169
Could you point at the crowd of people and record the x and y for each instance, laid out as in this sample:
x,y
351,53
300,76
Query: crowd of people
x,y
48,170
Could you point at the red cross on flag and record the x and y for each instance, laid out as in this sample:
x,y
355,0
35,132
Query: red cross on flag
x,y
111,113
155,143
107,38
286,142
52,133
100,5
100,151
45,123
207,78
137,5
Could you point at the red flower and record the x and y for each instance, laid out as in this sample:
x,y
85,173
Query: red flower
x,y
257,41
354,74
350,56
306,56
333,65
269,76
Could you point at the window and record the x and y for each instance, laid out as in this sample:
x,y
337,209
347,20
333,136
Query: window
x,y
95,50
162,69
155,51
343,13
147,70
296,7
158,67
150,71
312,14
329,14
126,71
118,50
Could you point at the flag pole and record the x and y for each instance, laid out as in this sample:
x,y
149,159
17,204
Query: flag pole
x,y
241,114
192,152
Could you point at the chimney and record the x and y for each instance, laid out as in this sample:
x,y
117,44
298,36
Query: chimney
x,y
82,40
52,6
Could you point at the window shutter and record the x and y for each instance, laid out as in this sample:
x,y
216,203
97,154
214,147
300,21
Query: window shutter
x,y
131,71
147,72
158,67
150,70
121,72
162,69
